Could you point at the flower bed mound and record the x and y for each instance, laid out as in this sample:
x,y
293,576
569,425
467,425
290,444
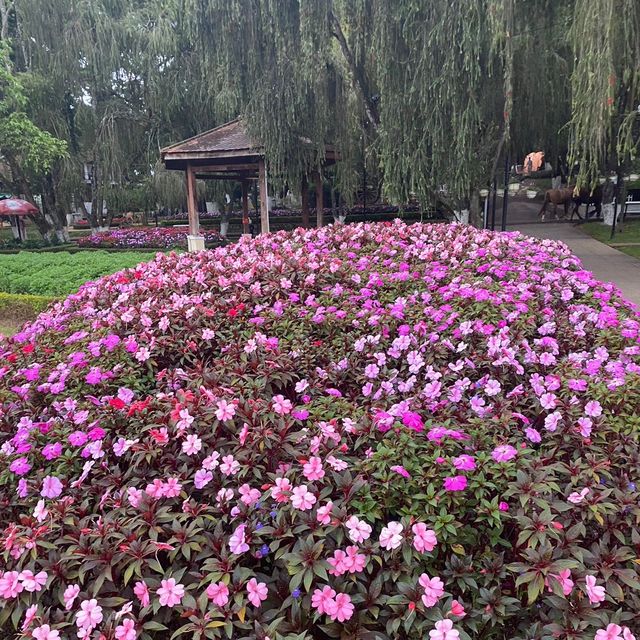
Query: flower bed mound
x,y
364,431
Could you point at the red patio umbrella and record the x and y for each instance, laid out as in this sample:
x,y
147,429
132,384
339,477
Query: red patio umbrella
x,y
16,207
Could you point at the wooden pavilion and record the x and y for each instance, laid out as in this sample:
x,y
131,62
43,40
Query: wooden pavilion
x,y
228,153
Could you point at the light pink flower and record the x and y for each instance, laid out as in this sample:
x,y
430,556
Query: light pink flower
x,y
593,409
424,539
29,616
191,445
433,589
172,488
40,513
69,595
340,608
577,497
280,492
399,469
90,614
391,536
281,405
45,632
312,470
230,466
170,592
202,478
612,632
323,515
142,593
219,593
51,487
10,585
596,593
256,592
32,582
126,630
237,543
248,495
444,631
323,600
359,530
564,578
225,411
302,498
504,453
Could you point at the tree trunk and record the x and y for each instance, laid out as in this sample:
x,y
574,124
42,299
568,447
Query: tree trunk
x,y
475,210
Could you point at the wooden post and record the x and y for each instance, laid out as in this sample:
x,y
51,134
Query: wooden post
x,y
319,200
304,196
245,207
195,241
264,196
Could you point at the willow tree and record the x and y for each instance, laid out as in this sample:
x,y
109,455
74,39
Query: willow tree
x,y
605,122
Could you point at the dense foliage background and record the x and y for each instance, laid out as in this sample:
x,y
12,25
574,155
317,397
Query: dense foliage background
x,y
364,431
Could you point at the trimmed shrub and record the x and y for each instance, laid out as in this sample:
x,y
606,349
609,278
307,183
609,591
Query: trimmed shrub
x,y
22,307
363,431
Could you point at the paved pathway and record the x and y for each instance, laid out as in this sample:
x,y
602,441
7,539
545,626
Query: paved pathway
x,y
606,263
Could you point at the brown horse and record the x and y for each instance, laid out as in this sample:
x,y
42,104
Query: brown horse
x,y
586,196
563,196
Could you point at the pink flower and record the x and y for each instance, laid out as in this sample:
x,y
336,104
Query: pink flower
x,y
433,589
32,582
225,411
359,530
45,632
504,453
40,513
202,478
353,561
503,506
391,536
612,632
51,487
596,593
457,609
281,405
564,579
69,595
341,608
20,466
533,435
413,421
424,539
257,592
237,542
464,463
585,425
302,498
444,631
455,483
323,600
90,614
398,468
219,593
337,562
142,593
626,634
230,466
170,592
280,492
191,445
126,630
172,488
323,516
248,495
10,585
29,616
312,470
593,409
577,497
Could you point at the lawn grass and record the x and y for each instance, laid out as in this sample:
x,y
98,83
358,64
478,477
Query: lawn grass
x,y
629,234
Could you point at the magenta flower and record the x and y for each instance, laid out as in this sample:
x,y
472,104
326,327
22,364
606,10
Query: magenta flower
x,y
20,466
413,421
398,468
455,483
464,463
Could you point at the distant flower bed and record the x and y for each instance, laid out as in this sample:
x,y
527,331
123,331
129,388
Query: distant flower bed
x,y
144,238
367,431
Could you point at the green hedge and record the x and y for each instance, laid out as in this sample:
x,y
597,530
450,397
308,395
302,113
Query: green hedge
x,y
20,307
58,274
